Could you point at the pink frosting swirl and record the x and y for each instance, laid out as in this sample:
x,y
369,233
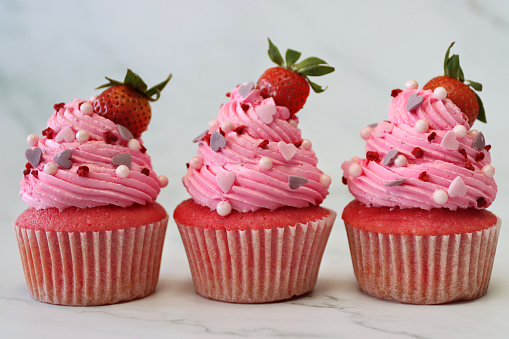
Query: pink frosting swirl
x,y
248,174
101,186
445,165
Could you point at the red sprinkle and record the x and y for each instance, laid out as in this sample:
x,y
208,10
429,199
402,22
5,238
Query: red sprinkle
x,y
431,136
26,171
298,143
372,156
479,156
221,131
418,152
487,147
263,144
28,165
481,202
83,171
143,149
469,166
145,171
48,133
240,129
395,92
463,152
228,94
245,107
109,137
35,173
424,177
57,107
206,138
343,179
187,165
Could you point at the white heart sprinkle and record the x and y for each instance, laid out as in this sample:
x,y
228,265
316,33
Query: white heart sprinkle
x,y
266,113
66,134
287,150
225,180
457,188
245,89
449,141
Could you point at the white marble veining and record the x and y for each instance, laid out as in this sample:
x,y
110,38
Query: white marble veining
x,y
53,51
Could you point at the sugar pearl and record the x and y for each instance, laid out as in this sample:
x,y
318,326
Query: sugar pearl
x,y
223,208
134,145
50,168
488,170
293,122
213,124
366,132
355,170
411,84
460,131
82,135
355,159
32,140
122,171
325,180
163,181
440,93
86,108
306,144
400,161
473,132
265,163
227,126
196,162
93,98
421,126
440,197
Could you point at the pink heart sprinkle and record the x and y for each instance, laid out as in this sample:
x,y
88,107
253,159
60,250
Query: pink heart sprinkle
x,y
414,101
66,134
33,156
449,141
225,180
383,127
266,113
245,89
287,150
457,188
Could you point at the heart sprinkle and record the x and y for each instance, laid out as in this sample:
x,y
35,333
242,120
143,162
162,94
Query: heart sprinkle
x,y
457,188
449,141
266,113
124,133
394,183
479,142
414,101
225,180
217,141
66,134
200,137
122,159
63,158
33,156
390,156
287,150
245,89
295,181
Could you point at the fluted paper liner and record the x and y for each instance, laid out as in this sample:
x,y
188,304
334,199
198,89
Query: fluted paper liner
x,y
256,266
423,269
92,268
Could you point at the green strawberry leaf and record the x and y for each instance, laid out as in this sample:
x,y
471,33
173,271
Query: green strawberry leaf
x,y
316,70
312,61
111,83
453,69
475,85
316,88
482,114
156,90
291,57
134,80
274,54
446,59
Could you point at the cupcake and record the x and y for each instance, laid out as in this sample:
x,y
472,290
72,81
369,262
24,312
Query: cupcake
x,y
418,229
93,233
254,231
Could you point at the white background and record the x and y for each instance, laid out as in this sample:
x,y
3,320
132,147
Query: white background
x,y
54,51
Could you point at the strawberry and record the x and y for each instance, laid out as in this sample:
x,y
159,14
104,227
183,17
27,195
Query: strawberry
x,y
458,90
289,84
127,103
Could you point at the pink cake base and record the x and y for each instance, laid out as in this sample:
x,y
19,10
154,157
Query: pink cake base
x,y
254,265
85,268
425,268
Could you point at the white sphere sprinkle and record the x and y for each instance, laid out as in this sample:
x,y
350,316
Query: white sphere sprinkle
x,y
163,181
122,171
460,131
82,136
134,145
366,132
421,126
50,168
440,93
213,124
227,126
473,132
196,162
440,197
411,84
32,140
265,163
306,144
355,170
488,170
86,108
223,208
325,180
400,161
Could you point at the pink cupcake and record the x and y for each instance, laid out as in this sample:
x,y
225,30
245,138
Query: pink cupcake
x,y
93,233
254,231
418,229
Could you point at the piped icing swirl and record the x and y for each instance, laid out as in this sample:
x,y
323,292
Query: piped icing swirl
x,y
425,156
253,157
90,176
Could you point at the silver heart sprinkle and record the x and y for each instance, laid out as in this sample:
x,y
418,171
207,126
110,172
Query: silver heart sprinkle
x,y
394,183
373,125
413,102
245,89
217,141
63,159
122,159
295,181
199,137
33,156
479,142
390,156
124,132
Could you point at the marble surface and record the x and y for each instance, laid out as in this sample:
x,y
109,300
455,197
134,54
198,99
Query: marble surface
x,y
56,51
